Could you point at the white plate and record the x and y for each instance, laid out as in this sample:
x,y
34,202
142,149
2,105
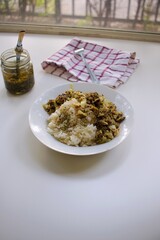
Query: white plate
x,y
38,119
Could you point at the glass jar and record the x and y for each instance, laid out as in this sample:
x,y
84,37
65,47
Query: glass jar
x,y
17,70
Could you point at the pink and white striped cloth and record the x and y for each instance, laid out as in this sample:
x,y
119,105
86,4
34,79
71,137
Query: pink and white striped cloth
x,y
111,66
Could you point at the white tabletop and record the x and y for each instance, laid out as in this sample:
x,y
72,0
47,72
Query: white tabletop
x,y
46,195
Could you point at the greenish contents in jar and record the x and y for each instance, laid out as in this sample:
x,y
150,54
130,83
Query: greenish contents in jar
x,y
19,81
17,71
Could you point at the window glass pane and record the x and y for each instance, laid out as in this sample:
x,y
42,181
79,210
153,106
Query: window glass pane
x,y
139,15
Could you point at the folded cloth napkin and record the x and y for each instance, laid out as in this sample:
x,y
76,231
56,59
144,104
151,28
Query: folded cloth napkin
x,y
112,67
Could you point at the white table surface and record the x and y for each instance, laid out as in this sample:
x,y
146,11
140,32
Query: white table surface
x,y
46,195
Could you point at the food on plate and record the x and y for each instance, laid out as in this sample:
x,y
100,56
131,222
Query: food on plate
x,y
82,118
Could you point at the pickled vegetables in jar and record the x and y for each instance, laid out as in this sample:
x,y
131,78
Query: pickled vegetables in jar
x,y
17,68
18,75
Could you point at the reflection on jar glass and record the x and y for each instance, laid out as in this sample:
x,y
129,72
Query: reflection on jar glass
x,y
18,74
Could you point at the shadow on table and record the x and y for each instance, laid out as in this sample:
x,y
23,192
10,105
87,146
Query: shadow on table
x,y
88,166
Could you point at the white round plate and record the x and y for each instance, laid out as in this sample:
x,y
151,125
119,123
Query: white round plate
x,y
38,118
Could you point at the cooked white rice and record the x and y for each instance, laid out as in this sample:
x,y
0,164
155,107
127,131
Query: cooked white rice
x,y
66,126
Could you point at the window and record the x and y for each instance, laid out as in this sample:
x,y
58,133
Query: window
x,y
121,18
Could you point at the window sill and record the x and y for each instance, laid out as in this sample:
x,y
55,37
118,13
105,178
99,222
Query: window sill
x,y
81,31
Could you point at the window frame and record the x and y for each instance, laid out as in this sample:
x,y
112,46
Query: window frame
x,y
80,31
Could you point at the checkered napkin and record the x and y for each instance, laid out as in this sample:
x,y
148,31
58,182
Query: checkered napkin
x,y
112,67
